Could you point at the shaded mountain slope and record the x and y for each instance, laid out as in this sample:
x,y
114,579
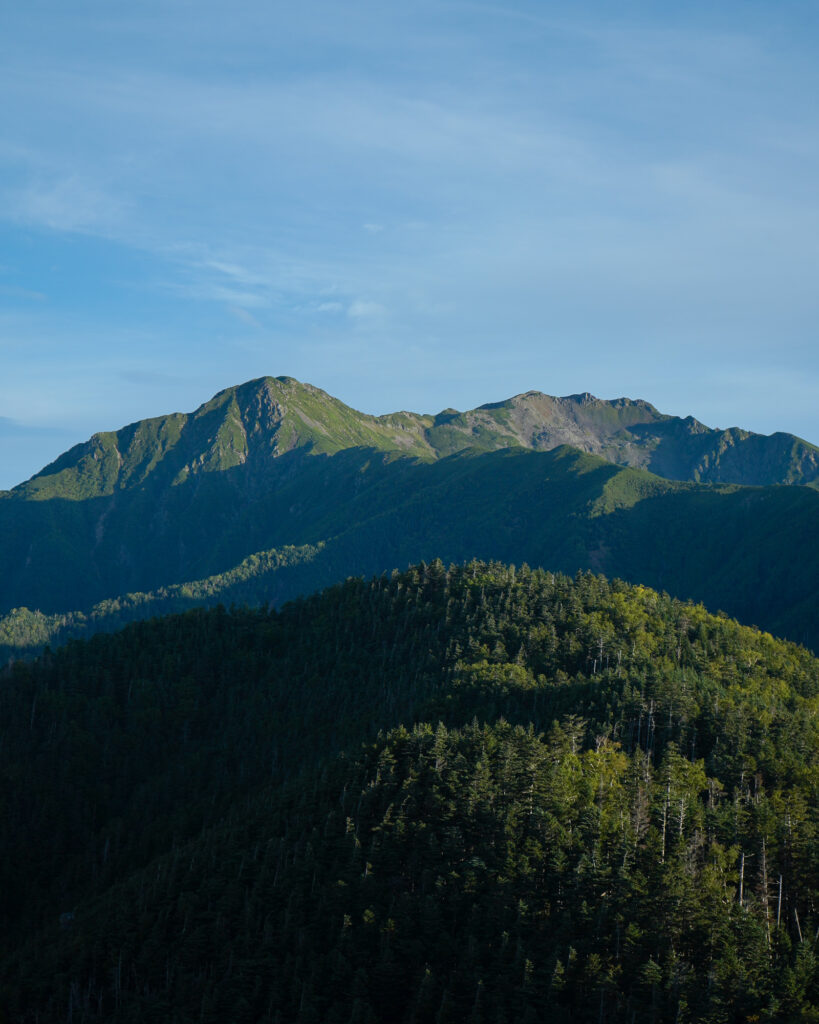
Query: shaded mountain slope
x,y
163,506
601,805
753,552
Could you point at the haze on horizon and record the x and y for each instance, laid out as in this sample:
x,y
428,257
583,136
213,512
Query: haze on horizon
x,y
442,204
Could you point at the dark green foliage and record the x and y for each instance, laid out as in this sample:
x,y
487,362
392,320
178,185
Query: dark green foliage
x,y
363,512
589,814
264,577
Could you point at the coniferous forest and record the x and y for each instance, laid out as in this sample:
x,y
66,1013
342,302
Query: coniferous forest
x,y
465,793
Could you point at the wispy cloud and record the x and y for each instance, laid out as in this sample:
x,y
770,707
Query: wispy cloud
x,y
12,291
67,204
362,310
149,377
14,428
246,317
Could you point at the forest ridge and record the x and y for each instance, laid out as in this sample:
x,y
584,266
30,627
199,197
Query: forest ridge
x,y
577,800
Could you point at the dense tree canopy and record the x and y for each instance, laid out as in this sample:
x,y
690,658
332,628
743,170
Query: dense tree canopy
x,y
575,800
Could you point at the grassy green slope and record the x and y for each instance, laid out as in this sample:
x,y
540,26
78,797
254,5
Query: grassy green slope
x,y
271,416
249,423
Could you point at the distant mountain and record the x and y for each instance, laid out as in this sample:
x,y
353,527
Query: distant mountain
x,y
274,488
271,416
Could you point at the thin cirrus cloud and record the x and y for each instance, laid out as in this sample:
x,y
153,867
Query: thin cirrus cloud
x,y
572,199
361,309
13,291
245,317
67,204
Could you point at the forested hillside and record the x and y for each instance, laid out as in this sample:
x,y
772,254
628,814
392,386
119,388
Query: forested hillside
x,y
577,800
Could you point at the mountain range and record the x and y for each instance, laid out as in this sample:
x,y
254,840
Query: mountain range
x,y
274,488
275,415
494,786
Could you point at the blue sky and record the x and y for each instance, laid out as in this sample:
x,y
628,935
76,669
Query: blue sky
x,y
414,206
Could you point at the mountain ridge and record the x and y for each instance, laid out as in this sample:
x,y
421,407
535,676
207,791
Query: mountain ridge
x,y
210,506
270,416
